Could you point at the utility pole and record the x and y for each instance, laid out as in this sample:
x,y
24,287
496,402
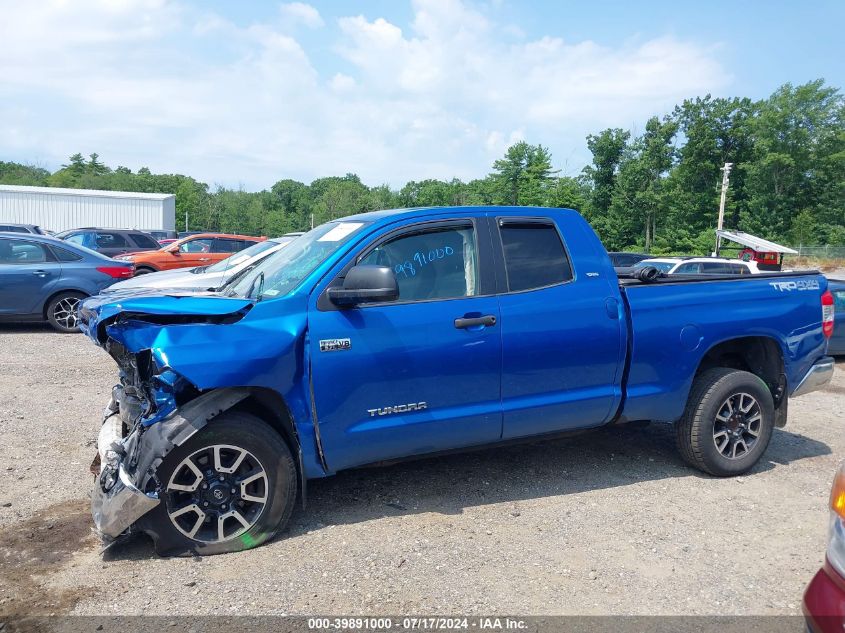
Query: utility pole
x,y
726,171
186,220
312,220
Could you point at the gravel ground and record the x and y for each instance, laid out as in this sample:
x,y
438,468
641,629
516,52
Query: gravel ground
x,y
605,522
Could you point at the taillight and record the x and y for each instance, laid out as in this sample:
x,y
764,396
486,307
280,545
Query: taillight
x,y
827,313
118,272
836,535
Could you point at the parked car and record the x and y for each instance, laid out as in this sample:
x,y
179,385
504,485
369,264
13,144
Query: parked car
x,y
699,266
824,598
43,278
22,228
205,277
202,249
167,242
394,334
160,235
110,242
625,260
837,341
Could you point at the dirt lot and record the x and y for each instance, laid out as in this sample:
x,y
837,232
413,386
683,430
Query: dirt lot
x,y
608,522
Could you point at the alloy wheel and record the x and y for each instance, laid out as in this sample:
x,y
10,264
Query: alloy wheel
x,y
737,425
216,493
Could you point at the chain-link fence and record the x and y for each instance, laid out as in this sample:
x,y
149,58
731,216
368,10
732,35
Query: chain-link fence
x,y
821,252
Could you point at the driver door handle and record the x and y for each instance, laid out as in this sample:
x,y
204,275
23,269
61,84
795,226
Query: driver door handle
x,y
40,273
465,322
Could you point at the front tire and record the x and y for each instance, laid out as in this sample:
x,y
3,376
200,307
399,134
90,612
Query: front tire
x,y
728,422
230,487
62,312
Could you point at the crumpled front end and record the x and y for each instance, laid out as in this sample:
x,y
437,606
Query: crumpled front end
x,y
153,408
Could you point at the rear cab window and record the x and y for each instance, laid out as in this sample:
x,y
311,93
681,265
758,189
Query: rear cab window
x,y
534,254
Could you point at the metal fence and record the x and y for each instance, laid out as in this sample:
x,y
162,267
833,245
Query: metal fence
x,y
821,252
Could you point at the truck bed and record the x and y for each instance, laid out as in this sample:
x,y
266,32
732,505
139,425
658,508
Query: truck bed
x,y
674,321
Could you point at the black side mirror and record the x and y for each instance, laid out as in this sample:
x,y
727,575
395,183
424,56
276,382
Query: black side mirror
x,y
365,284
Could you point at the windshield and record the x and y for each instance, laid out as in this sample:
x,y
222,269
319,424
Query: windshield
x,y
663,267
282,271
241,256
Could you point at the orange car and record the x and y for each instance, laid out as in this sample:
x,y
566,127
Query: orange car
x,y
202,249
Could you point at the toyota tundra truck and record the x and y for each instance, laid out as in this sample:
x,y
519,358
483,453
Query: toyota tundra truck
x,y
395,334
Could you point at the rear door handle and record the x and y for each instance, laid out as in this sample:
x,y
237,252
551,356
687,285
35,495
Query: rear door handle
x,y
465,322
40,273
205,259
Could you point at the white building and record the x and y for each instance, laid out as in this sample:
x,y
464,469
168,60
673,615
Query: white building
x,y
59,209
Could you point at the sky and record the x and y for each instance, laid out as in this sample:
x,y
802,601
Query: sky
x,y
242,94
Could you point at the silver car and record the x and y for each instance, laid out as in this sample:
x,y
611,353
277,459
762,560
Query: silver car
x,y
207,277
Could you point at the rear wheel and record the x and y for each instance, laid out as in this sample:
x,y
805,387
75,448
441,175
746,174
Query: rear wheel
x,y
230,487
61,312
143,270
728,422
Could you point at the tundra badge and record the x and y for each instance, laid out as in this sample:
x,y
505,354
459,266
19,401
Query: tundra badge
x,y
335,344
399,408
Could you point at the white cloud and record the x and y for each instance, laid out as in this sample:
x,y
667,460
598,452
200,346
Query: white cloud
x,y
301,12
177,88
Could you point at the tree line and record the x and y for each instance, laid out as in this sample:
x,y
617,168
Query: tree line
x,y
656,189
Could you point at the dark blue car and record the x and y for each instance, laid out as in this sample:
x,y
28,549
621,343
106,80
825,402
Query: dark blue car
x,y
836,347
43,278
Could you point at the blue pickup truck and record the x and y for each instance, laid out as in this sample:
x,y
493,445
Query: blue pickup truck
x,y
402,333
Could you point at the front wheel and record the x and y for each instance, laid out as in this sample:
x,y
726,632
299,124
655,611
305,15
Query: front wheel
x,y
728,422
230,487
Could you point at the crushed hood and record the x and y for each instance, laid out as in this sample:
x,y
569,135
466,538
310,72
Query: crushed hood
x,y
158,307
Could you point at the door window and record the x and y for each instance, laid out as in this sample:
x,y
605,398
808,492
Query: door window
x,y
534,255
144,241
111,240
688,269
197,246
21,252
223,245
438,263
715,268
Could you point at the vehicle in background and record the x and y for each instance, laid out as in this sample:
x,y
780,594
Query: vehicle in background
x,y
202,249
183,234
110,242
43,278
837,341
206,277
167,242
824,598
699,266
160,235
22,228
626,260
394,334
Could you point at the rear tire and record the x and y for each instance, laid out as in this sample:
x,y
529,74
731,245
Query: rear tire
x,y
244,489
62,312
143,271
728,422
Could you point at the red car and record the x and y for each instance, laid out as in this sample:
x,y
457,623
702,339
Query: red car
x,y
824,599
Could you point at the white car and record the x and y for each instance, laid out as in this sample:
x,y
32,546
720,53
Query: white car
x,y
700,266
206,277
